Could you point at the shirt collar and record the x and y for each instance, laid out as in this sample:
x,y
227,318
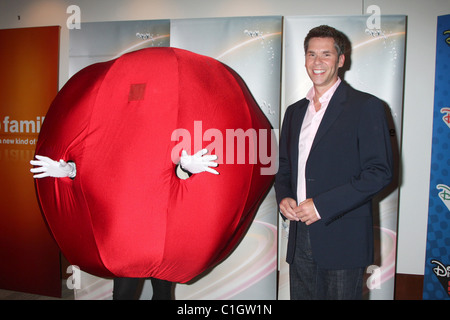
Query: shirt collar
x,y
327,95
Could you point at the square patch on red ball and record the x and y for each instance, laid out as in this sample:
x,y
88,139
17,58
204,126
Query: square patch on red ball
x,y
137,92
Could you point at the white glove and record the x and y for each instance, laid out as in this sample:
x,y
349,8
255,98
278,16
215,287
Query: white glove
x,y
47,167
198,162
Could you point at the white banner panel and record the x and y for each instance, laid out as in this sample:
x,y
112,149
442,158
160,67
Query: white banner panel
x,y
376,66
97,42
103,41
252,47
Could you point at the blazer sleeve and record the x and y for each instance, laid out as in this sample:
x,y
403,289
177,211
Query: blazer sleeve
x,y
376,162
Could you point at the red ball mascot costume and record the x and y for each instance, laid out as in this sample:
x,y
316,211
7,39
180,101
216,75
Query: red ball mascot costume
x,y
114,202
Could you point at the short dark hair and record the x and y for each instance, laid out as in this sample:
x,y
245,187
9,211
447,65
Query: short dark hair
x,y
324,31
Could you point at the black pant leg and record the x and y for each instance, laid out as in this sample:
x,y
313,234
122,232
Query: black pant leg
x,y
125,288
162,289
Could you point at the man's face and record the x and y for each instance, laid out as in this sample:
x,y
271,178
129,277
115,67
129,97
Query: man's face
x,y
322,62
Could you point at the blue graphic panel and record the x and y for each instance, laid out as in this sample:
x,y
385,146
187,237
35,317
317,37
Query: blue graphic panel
x,y
437,264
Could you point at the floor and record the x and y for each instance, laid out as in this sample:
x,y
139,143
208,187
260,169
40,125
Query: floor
x,y
66,294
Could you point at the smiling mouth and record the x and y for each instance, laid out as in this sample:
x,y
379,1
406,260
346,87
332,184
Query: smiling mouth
x,y
318,71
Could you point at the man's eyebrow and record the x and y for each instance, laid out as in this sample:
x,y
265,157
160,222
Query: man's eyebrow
x,y
325,51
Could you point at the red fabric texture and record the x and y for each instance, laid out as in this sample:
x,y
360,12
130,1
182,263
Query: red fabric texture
x,y
127,214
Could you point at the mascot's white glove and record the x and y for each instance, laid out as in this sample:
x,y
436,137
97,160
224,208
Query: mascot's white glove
x,y
46,167
198,162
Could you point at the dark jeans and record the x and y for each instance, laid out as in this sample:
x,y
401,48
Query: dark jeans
x,y
310,282
127,289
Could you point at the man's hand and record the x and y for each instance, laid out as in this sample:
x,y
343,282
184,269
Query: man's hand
x,y
288,207
306,211
198,162
46,167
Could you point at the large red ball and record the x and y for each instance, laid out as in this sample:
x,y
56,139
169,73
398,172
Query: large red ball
x,y
126,213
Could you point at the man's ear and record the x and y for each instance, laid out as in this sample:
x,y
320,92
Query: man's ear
x,y
341,60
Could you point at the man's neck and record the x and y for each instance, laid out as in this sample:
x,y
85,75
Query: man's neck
x,y
319,91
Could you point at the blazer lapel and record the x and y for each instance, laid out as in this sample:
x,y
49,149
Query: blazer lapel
x,y
298,116
334,109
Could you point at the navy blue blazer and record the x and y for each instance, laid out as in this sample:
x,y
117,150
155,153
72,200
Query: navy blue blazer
x,y
350,161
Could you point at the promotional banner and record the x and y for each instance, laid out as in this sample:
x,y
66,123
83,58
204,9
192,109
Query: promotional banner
x,y
250,46
29,59
374,65
437,264
103,41
97,42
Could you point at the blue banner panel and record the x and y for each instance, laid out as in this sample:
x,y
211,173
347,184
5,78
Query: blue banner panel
x,y
437,263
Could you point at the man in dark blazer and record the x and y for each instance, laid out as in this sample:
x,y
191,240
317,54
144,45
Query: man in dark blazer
x,y
334,156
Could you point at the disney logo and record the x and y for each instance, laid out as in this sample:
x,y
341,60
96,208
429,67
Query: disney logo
x,y
447,40
441,270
